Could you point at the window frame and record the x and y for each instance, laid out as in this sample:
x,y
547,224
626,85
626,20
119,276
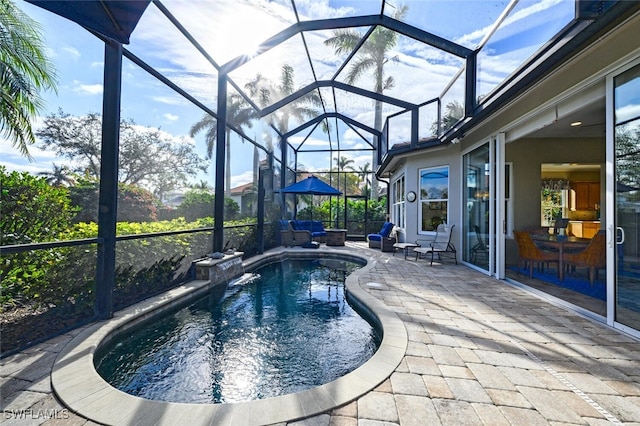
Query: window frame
x,y
398,202
432,204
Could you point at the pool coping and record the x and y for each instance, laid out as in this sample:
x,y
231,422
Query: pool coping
x,y
81,389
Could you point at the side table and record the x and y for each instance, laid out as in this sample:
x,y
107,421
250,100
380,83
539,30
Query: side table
x,y
404,247
336,237
387,244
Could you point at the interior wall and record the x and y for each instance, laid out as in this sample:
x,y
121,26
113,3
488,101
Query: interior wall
x,y
527,156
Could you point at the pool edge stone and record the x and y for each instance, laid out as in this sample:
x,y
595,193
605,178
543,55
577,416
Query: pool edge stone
x,y
77,357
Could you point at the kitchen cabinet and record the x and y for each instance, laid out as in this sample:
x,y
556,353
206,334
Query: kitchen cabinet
x,y
583,228
586,195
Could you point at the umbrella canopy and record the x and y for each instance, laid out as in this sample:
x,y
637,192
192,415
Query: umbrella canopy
x,y
311,185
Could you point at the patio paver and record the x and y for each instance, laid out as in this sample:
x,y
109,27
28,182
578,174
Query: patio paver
x,y
480,352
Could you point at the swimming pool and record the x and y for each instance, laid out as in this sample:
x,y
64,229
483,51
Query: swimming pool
x,y
289,330
80,388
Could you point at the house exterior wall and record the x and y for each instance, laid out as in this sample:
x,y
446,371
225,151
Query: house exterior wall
x,y
578,82
446,156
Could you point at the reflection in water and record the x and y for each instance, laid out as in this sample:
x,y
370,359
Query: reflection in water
x,y
290,330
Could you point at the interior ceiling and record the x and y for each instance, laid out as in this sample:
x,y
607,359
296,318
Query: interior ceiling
x,y
592,117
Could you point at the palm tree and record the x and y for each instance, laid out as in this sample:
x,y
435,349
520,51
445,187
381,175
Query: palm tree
x,y
239,114
266,93
373,56
24,71
301,109
364,172
454,111
343,163
58,176
202,185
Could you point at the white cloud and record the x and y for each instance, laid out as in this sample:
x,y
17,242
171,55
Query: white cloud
x,y
241,179
41,161
88,89
320,9
627,112
72,51
168,100
170,117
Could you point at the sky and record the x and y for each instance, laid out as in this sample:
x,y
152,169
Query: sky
x,y
227,29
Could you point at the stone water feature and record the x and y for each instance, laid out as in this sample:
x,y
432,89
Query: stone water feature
x,y
220,271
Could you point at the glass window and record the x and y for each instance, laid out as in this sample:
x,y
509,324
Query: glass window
x,y
398,203
627,196
477,199
434,196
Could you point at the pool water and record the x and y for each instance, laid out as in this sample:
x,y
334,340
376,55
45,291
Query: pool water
x,y
289,330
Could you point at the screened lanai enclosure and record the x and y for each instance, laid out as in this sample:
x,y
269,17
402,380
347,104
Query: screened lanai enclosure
x,y
175,124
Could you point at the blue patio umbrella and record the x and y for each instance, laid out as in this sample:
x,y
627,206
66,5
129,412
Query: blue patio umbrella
x,y
312,186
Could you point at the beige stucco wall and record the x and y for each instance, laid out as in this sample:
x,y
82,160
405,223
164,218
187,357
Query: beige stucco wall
x,y
410,167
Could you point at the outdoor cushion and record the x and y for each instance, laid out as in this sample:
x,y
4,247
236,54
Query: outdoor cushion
x,y
387,227
313,226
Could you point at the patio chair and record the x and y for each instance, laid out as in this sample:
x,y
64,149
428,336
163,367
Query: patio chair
x,y
294,237
593,257
375,240
480,248
440,244
530,254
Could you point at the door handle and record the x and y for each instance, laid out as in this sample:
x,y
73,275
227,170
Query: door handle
x,y
619,228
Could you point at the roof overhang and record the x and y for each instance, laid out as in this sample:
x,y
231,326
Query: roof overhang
x,y
113,19
575,37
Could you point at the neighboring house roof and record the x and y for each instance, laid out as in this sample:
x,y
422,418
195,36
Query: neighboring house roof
x,y
242,189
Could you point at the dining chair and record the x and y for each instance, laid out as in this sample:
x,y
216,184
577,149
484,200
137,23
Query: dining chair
x,y
560,223
530,254
593,257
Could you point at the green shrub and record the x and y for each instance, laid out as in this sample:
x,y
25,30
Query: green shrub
x,y
32,211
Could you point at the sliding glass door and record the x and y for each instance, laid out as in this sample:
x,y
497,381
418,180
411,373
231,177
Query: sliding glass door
x,y
476,206
626,138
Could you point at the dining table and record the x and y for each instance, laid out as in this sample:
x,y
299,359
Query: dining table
x,y
560,243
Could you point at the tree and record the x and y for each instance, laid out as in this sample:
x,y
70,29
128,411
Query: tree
x,y
203,185
32,212
300,109
454,111
149,157
266,92
199,203
349,180
364,172
135,204
373,56
59,176
628,156
239,114
24,71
